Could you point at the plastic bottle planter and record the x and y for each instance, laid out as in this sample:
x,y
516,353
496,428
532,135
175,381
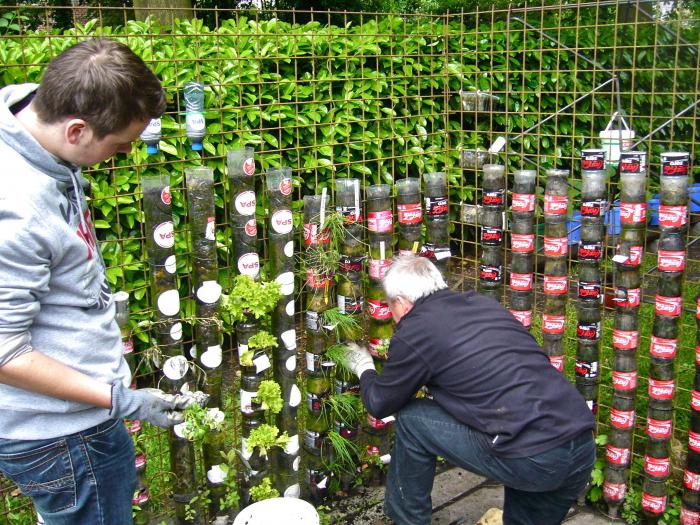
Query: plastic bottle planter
x,y
436,219
409,214
151,136
491,227
690,508
241,170
348,203
522,245
195,127
175,367
477,101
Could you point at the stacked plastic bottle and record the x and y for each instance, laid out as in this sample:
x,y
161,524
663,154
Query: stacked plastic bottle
x,y
673,220
409,213
195,125
241,172
437,221
281,250
151,136
491,234
556,271
350,295
380,228
207,336
522,245
594,205
176,369
141,494
319,369
690,501
627,259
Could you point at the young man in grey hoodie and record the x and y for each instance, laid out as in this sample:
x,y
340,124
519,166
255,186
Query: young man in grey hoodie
x,y
64,385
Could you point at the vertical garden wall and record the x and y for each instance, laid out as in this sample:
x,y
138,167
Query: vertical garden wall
x,y
383,98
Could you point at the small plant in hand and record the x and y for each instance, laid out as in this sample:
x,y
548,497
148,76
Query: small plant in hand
x,y
199,421
249,298
338,353
265,437
264,490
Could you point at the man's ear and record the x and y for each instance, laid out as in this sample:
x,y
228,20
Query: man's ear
x,y
76,131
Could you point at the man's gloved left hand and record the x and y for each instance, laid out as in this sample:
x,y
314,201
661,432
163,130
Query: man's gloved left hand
x,y
359,359
148,404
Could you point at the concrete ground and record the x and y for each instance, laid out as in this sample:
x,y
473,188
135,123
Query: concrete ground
x,y
459,498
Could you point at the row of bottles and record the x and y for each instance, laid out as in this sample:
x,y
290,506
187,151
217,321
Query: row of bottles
x,y
491,221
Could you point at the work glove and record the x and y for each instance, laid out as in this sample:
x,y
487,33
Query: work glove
x,y
359,359
148,404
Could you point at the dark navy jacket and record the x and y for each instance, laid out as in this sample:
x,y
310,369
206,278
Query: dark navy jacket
x,y
484,369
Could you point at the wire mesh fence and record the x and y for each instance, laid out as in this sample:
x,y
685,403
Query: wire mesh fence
x,y
382,97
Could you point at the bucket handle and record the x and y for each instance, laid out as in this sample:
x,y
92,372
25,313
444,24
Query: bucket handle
x,y
617,116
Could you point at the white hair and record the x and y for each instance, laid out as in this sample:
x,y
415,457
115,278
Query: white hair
x,y
412,277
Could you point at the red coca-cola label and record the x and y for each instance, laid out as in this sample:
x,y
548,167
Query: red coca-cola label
x,y
376,423
632,298
436,205
632,162
556,246
674,164
377,268
409,213
588,330
492,198
625,339
635,255
589,290
593,208
555,204
490,273
141,497
285,186
557,361
695,400
251,228
673,216
555,285
380,221
524,316
614,491
624,381
590,250
140,461
653,504
372,450
689,517
693,441
659,428
249,166
350,264
621,418
633,212
671,260
313,235
351,214
521,282
127,345
592,160
378,309
697,307
661,347
491,236
165,196
658,467
669,306
553,324
661,388
522,242
523,202
617,455
587,369
691,480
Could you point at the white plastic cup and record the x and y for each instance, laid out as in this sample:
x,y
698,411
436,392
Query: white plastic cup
x,y
278,510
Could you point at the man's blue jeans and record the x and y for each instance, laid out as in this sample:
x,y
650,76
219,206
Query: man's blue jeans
x,y
85,478
539,490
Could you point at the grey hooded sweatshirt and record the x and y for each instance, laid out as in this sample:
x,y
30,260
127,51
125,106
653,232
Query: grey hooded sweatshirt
x,y
54,297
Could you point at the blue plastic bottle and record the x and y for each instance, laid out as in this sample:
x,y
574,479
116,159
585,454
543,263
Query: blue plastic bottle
x,y
151,136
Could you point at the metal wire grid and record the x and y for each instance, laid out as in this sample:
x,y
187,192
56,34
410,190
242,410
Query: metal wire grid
x,y
506,67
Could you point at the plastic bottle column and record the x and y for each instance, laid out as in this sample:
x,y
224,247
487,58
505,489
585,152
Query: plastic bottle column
x,y
437,221
690,506
492,231
522,245
241,172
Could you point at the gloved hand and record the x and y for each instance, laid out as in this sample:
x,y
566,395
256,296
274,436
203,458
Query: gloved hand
x,y
148,404
359,359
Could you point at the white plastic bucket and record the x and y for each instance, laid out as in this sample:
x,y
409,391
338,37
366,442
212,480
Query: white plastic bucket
x,y
615,139
290,511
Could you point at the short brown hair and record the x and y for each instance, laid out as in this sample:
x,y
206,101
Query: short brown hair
x,y
102,82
